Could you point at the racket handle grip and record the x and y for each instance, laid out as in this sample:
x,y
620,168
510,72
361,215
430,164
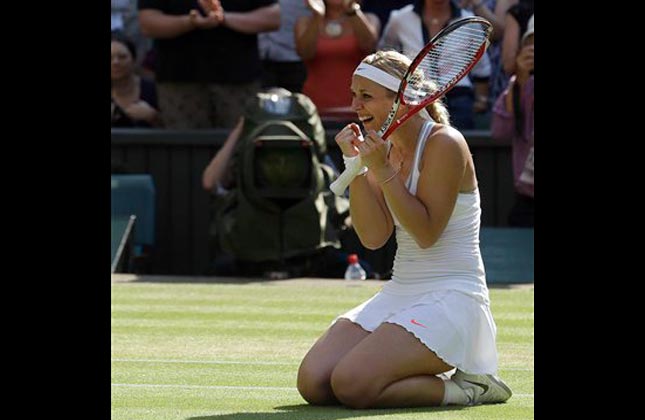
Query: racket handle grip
x,y
352,168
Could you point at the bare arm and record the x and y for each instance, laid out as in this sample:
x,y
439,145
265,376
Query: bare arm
x,y
426,215
156,24
366,27
480,9
263,19
510,44
217,167
501,7
306,33
496,17
370,217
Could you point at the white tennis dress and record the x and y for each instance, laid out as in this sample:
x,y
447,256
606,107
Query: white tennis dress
x,y
439,294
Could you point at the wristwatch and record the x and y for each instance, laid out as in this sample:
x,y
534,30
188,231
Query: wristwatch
x,y
355,7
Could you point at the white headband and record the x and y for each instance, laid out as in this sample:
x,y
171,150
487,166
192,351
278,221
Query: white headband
x,y
384,79
379,76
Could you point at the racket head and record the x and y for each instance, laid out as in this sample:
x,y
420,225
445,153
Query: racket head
x,y
445,60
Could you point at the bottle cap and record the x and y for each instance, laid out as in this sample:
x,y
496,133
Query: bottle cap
x,y
352,258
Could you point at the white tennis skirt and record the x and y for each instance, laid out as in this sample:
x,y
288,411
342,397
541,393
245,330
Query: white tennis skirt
x,y
458,328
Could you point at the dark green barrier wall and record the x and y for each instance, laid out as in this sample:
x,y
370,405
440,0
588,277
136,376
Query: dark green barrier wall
x,y
176,160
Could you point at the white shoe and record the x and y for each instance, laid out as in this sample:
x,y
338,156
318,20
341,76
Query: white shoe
x,y
482,389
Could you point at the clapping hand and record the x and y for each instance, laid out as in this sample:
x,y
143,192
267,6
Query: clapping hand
x,y
318,6
214,14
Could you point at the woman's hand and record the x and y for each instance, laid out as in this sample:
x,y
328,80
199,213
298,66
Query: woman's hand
x,y
373,151
141,111
348,138
317,6
524,63
348,5
214,14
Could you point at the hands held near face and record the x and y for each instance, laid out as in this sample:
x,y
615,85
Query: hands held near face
x,y
214,14
371,148
524,63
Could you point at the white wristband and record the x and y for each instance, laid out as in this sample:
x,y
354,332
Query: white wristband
x,y
348,163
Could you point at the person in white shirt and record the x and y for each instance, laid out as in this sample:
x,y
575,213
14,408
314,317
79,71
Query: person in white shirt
x,y
410,28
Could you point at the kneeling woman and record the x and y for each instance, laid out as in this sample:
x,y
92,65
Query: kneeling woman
x,y
433,318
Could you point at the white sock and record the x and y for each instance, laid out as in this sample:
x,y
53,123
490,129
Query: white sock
x,y
453,394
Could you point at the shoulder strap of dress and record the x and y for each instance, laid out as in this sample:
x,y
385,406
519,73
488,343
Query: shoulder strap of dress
x,y
421,142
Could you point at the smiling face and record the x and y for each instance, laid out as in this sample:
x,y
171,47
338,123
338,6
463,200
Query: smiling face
x,y
371,102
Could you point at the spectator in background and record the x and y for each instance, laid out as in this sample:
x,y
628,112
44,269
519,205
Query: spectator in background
x,y
281,64
134,98
125,19
495,12
331,42
217,177
516,22
382,9
513,116
412,27
207,58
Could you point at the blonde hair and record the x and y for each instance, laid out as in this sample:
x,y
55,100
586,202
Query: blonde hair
x,y
396,64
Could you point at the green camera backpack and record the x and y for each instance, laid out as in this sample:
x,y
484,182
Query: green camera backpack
x,y
281,206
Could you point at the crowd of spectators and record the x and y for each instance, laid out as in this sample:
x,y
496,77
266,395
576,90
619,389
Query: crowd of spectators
x,y
206,57
191,64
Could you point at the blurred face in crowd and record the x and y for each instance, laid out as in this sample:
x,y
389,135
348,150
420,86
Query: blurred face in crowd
x,y
122,62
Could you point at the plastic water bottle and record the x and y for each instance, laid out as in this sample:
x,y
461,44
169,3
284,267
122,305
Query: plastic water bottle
x,y
354,270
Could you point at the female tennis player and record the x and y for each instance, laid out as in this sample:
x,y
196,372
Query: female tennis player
x,y
428,337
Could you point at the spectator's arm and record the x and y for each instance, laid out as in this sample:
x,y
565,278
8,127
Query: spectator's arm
x,y
366,27
306,33
263,19
494,17
510,43
501,7
389,40
156,24
217,167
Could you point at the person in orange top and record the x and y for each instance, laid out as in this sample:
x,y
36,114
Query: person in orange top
x,y
331,42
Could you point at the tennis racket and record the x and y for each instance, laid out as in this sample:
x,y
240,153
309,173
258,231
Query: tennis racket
x,y
442,62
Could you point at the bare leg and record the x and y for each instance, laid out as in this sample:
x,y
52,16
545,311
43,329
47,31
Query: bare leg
x,y
415,391
315,370
389,368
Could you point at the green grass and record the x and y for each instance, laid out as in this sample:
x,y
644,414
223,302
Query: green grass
x,y
231,351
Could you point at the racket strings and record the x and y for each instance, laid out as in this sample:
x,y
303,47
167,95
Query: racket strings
x,y
446,62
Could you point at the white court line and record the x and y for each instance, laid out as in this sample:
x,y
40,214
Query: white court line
x,y
245,388
207,362
237,362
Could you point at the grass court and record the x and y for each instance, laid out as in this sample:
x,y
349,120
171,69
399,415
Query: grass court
x,y
193,349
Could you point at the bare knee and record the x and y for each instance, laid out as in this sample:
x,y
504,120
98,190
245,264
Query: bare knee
x,y
313,385
353,388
